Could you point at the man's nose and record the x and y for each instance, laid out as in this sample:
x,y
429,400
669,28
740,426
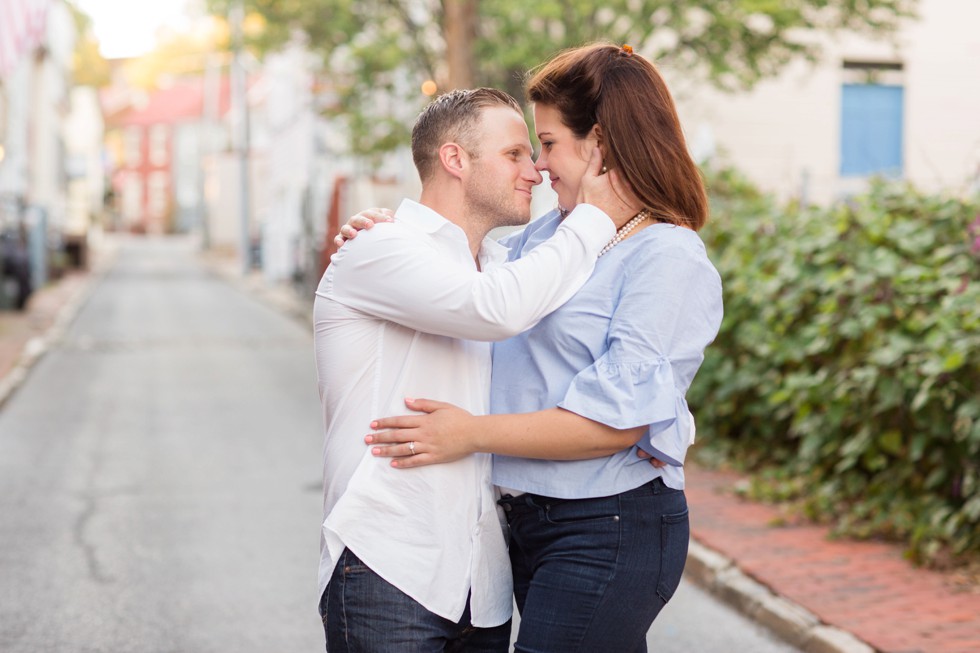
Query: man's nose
x,y
534,175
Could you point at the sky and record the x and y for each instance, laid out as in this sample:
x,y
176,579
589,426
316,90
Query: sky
x,y
127,28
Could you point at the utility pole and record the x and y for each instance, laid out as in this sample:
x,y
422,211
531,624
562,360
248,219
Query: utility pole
x,y
460,33
211,92
239,93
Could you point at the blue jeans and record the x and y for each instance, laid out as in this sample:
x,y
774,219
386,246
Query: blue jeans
x,y
363,613
591,575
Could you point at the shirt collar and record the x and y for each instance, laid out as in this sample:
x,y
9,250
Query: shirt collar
x,y
492,253
429,221
424,218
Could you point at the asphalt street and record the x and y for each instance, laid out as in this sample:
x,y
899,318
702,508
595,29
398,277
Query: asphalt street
x,y
160,480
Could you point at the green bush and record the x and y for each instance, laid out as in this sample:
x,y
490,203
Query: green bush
x,y
847,369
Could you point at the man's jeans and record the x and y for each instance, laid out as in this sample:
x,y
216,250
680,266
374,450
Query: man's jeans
x,y
591,575
363,613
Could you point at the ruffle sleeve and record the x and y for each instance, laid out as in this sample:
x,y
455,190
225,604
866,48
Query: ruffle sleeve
x,y
625,395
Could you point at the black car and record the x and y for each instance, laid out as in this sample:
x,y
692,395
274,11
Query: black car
x,y
15,270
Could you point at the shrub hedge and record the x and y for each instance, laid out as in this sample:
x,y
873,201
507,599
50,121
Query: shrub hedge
x,y
847,369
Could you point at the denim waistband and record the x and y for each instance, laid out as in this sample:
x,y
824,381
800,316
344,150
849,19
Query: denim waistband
x,y
656,486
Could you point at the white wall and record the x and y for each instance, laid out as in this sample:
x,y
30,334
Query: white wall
x,y
307,154
285,123
222,173
16,112
84,131
785,133
50,80
943,78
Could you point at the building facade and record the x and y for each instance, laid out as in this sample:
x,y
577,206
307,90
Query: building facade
x,y
904,107
37,42
155,144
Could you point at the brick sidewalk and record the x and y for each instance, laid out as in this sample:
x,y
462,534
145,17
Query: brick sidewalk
x,y
865,588
26,335
17,328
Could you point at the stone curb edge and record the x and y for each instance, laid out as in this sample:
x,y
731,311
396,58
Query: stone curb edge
x,y
35,348
278,298
795,624
709,569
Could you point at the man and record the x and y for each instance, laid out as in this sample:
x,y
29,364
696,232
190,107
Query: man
x,y
416,560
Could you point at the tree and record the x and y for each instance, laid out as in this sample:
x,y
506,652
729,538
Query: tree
x,y
378,47
89,67
179,53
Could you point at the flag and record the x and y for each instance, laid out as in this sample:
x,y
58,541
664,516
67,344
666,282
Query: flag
x,y
22,25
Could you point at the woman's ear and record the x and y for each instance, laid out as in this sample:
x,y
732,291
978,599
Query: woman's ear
x,y
596,133
453,159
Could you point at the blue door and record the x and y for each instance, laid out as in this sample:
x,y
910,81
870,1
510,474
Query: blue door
x,y
871,130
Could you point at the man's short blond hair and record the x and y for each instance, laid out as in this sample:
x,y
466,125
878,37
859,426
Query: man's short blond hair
x,y
453,118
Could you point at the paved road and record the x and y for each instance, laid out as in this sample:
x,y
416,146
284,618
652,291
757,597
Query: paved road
x,y
159,480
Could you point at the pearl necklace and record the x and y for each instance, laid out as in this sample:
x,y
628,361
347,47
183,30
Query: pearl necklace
x,y
625,229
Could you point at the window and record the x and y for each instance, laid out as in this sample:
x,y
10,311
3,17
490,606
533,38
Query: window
x,y
872,120
132,198
159,137
133,146
158,195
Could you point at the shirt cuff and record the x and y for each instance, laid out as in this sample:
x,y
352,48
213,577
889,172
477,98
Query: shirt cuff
x,y
670,443
626,395
591,224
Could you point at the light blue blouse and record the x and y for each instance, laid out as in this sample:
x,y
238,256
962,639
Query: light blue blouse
x,y
623,351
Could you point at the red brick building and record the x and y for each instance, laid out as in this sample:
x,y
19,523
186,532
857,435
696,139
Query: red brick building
x,y
155,141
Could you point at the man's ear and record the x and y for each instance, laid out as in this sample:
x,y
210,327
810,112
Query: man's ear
x,y
453,159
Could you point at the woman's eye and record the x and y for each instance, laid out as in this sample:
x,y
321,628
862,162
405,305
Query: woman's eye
x,y
547,144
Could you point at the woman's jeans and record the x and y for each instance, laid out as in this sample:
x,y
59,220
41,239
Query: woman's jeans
x,y
363,613
591,575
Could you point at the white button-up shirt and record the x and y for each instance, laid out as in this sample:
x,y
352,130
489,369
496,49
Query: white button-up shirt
x,y
391,314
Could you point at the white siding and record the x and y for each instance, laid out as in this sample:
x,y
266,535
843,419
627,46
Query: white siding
x,y
785,133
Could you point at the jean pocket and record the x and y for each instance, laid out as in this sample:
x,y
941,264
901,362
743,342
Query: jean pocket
x,y
675,533
323,606
581,511
350,564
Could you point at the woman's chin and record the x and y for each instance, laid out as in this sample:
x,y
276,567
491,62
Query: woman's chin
x,y
567,203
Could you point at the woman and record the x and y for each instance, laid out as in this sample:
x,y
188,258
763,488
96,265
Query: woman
x,y
598,536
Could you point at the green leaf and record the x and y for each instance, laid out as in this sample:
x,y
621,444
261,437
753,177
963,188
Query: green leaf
x,y
891,441
953,361
732,45
850,355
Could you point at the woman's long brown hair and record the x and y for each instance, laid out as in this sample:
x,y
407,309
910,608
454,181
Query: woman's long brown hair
x,y
625,95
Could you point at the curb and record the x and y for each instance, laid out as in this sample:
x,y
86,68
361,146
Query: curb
x,y
35,348
279,297
794,624
706,567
